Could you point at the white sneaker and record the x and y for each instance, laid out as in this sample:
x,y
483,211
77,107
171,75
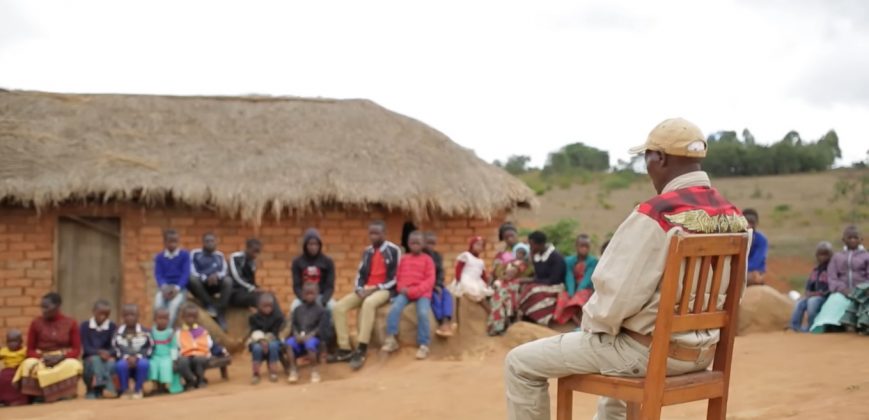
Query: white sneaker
x,y
422,353
138,396
294,377
390,345
315,377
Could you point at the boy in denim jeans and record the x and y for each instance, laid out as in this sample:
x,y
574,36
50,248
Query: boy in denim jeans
x,y
415,282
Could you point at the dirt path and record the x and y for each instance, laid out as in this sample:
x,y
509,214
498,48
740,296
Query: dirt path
x,y
776,376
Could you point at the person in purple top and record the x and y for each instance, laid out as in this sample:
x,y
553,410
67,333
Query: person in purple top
x,y
172,272
849,268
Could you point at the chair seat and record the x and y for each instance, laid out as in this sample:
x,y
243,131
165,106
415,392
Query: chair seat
x,y
677,389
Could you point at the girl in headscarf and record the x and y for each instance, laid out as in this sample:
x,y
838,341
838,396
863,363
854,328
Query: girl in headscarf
x,y
471,277
505,299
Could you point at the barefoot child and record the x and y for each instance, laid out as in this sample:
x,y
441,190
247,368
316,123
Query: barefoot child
x,y
97,351
194,345
11,356
162,370
416,278
441,299
308,321
265,327
133,345
471,277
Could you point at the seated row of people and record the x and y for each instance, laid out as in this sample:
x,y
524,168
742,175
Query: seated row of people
x,y
218,283
58,352
837,290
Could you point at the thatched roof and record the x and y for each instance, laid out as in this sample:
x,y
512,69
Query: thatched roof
x,y
245,156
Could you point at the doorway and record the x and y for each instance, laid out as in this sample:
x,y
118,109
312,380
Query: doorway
x,y
88,263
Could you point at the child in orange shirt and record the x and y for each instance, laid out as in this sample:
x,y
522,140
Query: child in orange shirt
x,y
194,348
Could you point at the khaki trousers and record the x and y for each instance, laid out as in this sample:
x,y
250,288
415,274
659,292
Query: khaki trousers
x,y
367,313
529,366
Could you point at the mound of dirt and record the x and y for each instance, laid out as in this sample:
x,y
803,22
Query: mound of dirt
x,y
764,309
524,332
469,341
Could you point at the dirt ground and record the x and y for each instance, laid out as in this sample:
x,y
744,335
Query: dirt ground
x,y
775,376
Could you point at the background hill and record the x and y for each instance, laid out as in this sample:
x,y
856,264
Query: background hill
x,y
797,211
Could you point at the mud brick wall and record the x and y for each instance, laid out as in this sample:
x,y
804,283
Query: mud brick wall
x,y
28,250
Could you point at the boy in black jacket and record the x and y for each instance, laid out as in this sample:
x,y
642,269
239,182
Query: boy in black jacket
x,y
313,265
375,285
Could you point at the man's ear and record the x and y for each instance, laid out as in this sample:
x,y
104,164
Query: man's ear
x,y
664,159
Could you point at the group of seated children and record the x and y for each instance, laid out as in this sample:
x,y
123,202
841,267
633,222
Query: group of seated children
x,y
112,357
133,352
308,322
837,291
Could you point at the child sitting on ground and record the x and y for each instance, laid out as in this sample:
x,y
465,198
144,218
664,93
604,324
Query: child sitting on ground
x,y
133,345
308,322
97,352
11,356
165,353
471,277
577,282
194,346
265,327
817,289
415,280
441,299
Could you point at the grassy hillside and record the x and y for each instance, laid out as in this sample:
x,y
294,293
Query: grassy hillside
x,y
797,211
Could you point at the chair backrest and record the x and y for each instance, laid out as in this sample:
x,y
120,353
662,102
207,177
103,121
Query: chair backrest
x,y
692,286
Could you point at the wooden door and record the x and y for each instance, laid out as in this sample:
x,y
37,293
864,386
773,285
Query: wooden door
x,y
88,263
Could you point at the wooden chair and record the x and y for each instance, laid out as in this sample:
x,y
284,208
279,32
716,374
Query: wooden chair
x,y
646,396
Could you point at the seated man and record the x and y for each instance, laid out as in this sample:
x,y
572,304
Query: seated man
x,y
619,319
208,278
375,285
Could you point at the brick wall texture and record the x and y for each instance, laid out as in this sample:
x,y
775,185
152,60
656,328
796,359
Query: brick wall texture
x,y
28,251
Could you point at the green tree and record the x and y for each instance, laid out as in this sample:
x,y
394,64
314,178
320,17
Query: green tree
x,y
747,137
517,164
728,156
577,156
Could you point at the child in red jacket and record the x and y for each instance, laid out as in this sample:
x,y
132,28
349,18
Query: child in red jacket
x,y
415,282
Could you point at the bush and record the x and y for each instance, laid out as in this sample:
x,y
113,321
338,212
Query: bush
x,y
620,180
562,234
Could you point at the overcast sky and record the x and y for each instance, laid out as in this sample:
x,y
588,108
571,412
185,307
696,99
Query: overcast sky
x,y
501,77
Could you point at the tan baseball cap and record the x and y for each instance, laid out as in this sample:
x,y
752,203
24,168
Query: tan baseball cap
x,y
676,137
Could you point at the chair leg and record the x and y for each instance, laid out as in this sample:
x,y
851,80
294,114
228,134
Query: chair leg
x,y
564,402
224,373
634,411
717,409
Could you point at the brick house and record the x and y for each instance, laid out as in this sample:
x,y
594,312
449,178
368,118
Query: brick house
x,y
88,183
